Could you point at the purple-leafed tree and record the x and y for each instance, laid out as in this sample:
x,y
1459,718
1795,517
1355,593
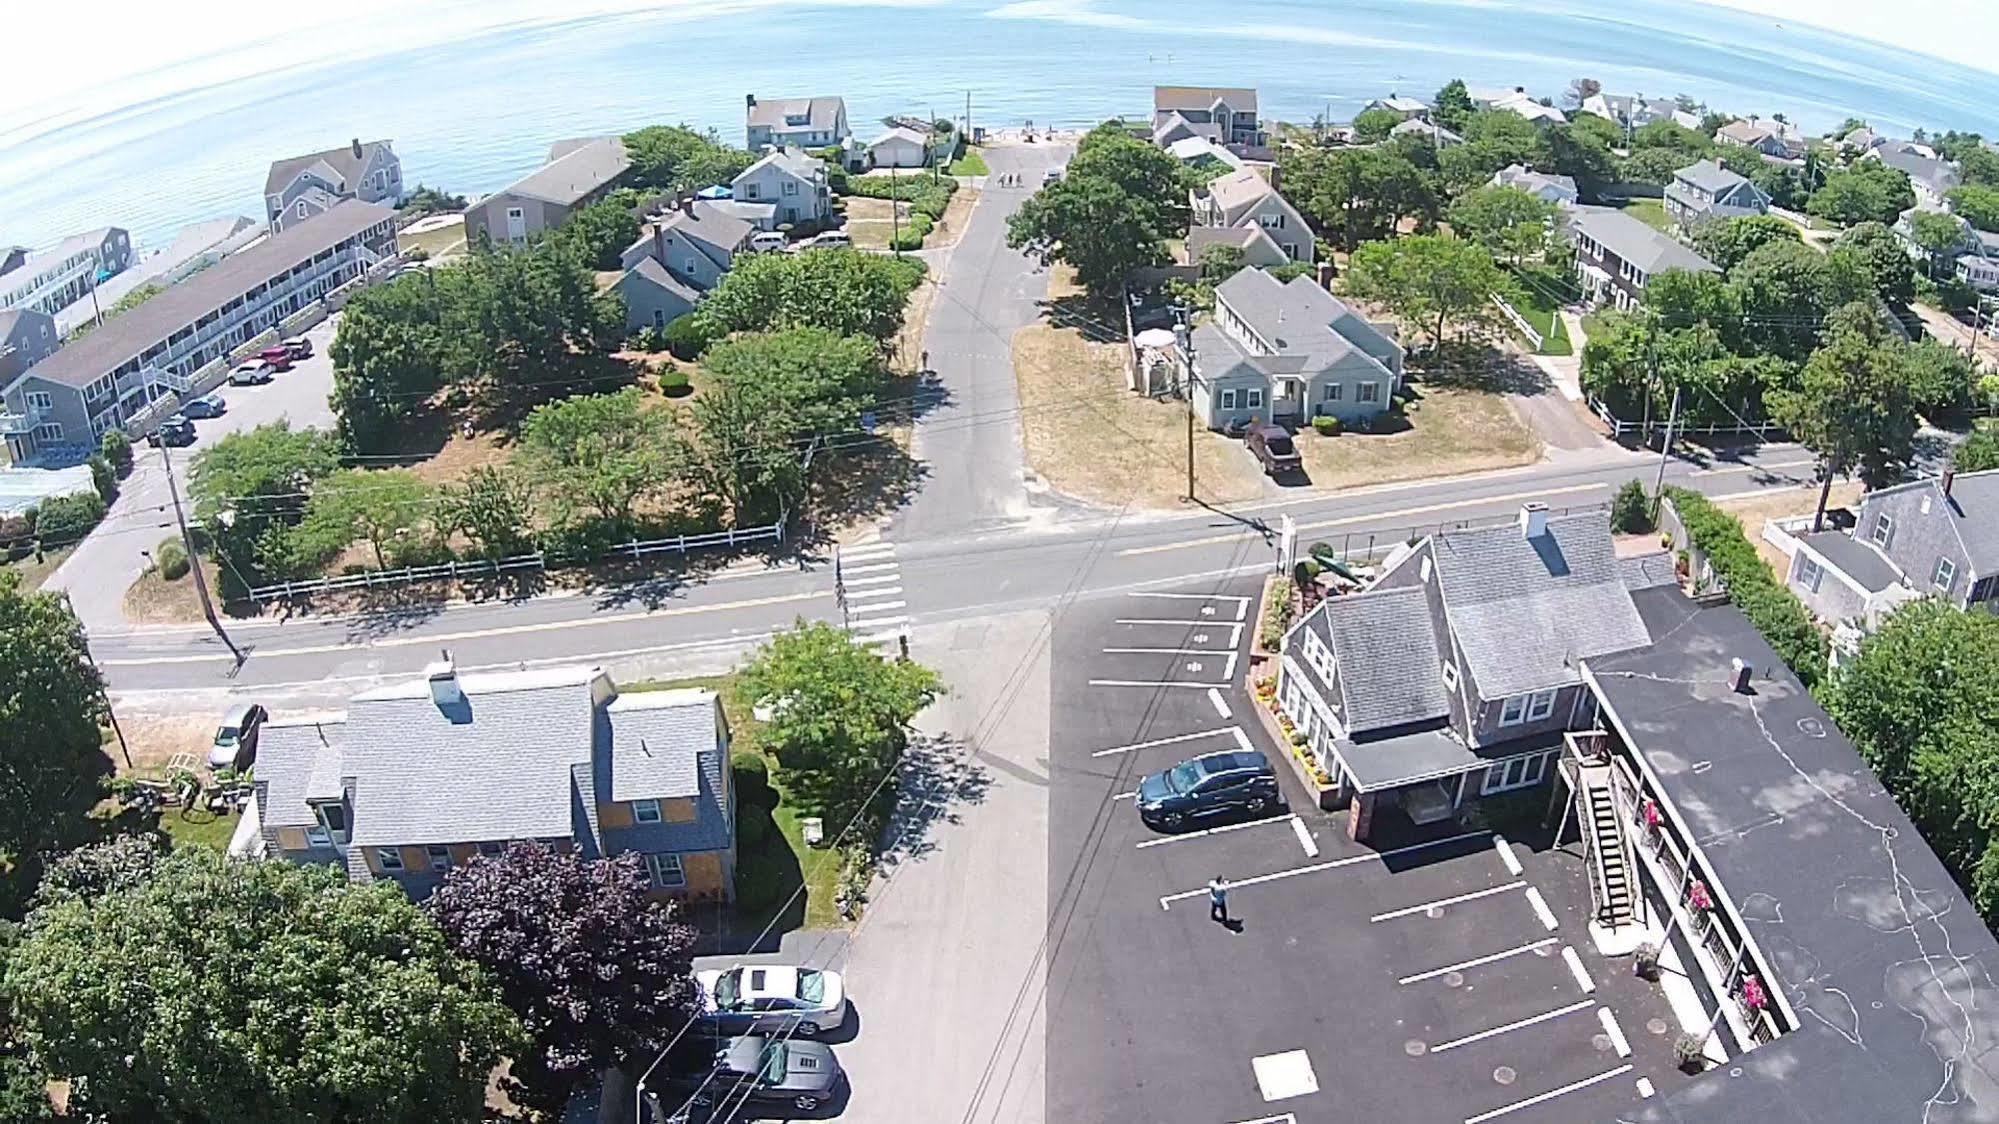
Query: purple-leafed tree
x,y
598,972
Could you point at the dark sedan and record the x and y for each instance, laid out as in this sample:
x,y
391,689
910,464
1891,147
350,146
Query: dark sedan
x,y
1217,784
756,1069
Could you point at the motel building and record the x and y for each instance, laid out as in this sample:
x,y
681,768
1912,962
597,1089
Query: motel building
x,y
1816,951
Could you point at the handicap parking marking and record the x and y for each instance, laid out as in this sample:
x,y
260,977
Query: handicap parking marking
x,y
1477,961
1550,1095
1516,1024
1174,740
1442,902
1166,901
1541,909
1185,836
1282,1076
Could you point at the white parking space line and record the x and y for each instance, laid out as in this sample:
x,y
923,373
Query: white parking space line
x,y
1242,739
868,594
1550,1095
1234,627
1242,610
1134,794
1475,962
872,568
1577,970
1153,683
882,579
1305,838
881,622
1541,909
1198,597
1506,855
1287,1118
1167,652
1167,901
1442,902
1175,739
1616,1032
1517,1024
1221,704
1182,838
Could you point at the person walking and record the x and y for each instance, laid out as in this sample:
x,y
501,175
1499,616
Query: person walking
x,y
1218,900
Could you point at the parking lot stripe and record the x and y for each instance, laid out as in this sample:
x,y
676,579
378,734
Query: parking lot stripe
x,y
1242,739
1238,883
1506,855
1242,610
1550,1095
1540,905
1152,683
1167,652
1287,1118
1476,962
1305,838
1575,964
1616,1032
1517,1024
1125,796
1214,831
1221,704
1441,902
1135,746
1234,627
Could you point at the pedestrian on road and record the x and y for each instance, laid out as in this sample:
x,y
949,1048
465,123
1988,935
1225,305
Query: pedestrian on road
x,y
1218,900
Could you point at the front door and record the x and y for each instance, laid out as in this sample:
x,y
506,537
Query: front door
x,y
1288,399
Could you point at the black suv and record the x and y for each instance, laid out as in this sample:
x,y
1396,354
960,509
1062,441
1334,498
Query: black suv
x,y
1215,784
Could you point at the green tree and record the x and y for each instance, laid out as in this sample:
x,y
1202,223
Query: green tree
x,y
1862,191
1727,241
1429,279
678,158
50,705
745,451
1940,236
1357,195
600,232
1631,509
839,716
1509,222
1149,175
238,992
1683,298
381,507
1453,106
846,291
817,380
1876,255
1942,379
429,200
1093,226
249,489
1978,165
1371,126
1976,204
1785,289
1582,151
386,360
493,507
1852,406
1493,139
1978,452
602,453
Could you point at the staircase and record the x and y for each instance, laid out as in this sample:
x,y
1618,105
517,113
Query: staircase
x,y
1610,860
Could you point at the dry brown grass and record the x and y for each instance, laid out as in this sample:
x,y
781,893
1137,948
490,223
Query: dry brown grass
x,y
956,214
869,222
155,600
461,454
1754,511
1451,431
34,572
153,739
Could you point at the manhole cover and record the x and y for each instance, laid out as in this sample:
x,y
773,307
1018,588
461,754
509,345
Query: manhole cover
x,y
1600,1041
1454,979
1415,1048
1656,1026
1505,1075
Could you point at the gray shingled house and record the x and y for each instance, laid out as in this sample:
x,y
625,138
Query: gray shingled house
x,y
802,122
578,173
676,260
1617,255
418,777
1706,190
1935,537
299,187
1287,352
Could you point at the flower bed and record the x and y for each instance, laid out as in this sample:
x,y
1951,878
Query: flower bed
x,y
1286,734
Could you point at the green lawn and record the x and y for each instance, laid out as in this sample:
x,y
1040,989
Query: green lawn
x,y
1539,302
780,862
1650,211
198,828
972,163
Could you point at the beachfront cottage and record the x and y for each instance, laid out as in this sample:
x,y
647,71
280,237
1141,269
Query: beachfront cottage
x,y
1773,140
299,187
578,173
416,778
1617,255
794,122
1559,190
1931,177
1246,198
1287,352
1634,112
1706,190
791,179
1407,108
1226,115
676,260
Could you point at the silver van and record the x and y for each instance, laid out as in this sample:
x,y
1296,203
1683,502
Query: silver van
x,y
767,241
236,738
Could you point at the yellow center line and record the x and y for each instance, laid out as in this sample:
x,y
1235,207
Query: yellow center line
x,y
1350,520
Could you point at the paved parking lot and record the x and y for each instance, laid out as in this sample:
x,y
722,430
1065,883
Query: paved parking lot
x,y
1444,976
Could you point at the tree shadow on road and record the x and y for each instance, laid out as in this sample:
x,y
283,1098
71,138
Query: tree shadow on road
x,y
940,777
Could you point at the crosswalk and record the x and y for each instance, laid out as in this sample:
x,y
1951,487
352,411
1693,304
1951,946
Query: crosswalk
x,y
871,582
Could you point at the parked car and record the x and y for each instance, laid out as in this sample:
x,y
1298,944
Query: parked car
x,y
766,241
833,238
1217,783
766,997
299,347
756,1069
176,430
1052,175
278,356
236,738
206,406
1273,448
252,372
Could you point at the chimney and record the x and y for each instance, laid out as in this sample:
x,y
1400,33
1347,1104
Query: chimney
x,y
1949,476
357,148
443,676
687,202
1741,671
1533,519
659,241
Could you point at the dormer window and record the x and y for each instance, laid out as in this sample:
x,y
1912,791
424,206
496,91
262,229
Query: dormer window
x,y
330,828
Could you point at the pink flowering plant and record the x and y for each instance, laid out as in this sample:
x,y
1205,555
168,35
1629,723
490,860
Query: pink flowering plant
x,y
1753,995
1653,817
1698,895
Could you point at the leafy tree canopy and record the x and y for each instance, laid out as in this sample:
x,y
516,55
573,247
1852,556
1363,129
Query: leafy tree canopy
x,y
679,158
1977,204
602,453
1372,125
1357,195
382,507
50,703
1853,405
1429,279
1862,191
1508,221
1726,241
846,291
599,233
1876,256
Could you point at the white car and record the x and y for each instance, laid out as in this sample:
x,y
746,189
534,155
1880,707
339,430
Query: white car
x,y
768,997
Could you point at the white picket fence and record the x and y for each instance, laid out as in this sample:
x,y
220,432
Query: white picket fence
x,y
1519,322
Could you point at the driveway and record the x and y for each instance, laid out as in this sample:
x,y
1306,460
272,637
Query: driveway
x,y
106,564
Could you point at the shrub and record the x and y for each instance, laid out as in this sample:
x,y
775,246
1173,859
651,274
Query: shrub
x,y
752,778
1978,452
1773,609
673,382
752,830
763,877
171,557
103,477
1631,510
1691,1051
912,233
649,339
689,335
65,519
1276,615
1326,425
116,448
17,537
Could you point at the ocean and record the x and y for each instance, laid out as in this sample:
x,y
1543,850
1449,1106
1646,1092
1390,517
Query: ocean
x,y
472,106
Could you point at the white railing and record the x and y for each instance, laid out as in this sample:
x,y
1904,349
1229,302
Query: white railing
x,y
1783,533
1519,322
1762,431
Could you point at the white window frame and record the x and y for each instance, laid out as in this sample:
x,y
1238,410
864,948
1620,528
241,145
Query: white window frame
x,y
299,210
492,849
1228,398
1333,392
1883,531
48,431
1945,575
665,871
791,187
40,400
389,858
438,856
1367,392
1518,710
1252,398
645,811
1810,573
1450,677
1514,773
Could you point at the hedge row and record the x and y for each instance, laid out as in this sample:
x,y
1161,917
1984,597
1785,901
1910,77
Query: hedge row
x,y
1774,610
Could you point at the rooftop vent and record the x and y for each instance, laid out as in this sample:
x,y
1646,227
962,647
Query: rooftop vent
x,y
1741,671
1533,519
444,688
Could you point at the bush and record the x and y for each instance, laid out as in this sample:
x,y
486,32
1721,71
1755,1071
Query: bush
x,y
752,830
1773,609
689,335
171,557
65,519
763,876
752,779
1277,615
1978,452
912,233
103,477
649,339
673,382
116,448
1326,425
1631,510
17,537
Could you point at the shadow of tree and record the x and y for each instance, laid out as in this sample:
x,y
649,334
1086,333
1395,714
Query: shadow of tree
x,y
1478,365
939,777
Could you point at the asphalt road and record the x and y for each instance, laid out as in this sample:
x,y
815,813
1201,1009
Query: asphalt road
x,y
106,564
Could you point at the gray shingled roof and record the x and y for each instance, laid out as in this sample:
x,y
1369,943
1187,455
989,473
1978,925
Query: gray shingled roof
x,y
1308,327
1710,176
1973,510
657,738
1389,668
1938,174
345,164
1242,99
128,334
1637,242
1526,611
820,112
1856,559
652,272
1239,189
580,172
721,231
288,754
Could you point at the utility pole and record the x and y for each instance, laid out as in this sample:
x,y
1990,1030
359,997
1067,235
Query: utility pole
x,y
1666,449
968,117
193,559
1185,338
